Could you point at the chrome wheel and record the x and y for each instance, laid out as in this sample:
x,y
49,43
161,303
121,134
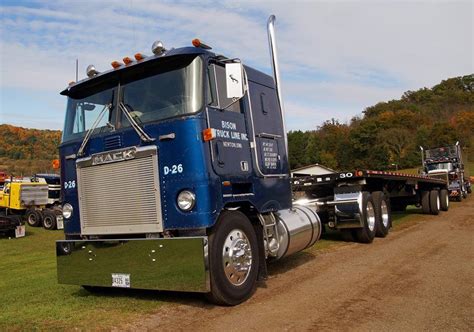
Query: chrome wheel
x,y
237,257
370,216
32,219
48,222
385,215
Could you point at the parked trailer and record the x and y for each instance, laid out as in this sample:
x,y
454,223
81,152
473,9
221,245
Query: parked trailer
x,y
359,203
175,176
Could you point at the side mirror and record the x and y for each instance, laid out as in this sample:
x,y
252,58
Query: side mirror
x,y
234,80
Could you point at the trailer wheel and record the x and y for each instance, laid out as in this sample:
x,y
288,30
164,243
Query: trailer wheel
x,y
233,259
33,217
383,220
444,200
366,233
434,202
49,219
425,202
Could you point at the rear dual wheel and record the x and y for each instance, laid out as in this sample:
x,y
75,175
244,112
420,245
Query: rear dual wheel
x,y
430,202
366,233
34,218
383,220
444,200
49,219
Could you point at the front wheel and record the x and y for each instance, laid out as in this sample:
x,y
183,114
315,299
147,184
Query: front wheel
x,y
233,259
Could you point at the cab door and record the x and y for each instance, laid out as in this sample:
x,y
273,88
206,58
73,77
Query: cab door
x,y
5,196
268,129
230,146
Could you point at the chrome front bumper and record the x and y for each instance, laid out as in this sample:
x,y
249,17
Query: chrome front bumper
x,y
178,264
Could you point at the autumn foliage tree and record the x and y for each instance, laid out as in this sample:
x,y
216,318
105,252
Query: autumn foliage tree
x,y
390,133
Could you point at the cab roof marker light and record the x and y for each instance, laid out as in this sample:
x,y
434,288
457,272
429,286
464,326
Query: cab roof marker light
x,y
199,43
127,60
116,64
91,71
139,56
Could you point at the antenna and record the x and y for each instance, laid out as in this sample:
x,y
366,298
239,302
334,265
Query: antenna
x,y
77,69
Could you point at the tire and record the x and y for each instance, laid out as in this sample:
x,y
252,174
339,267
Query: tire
x,y
232,245
425,202
347,235
434,202
33,218
49,219
383,220
366,233
459,197
444,200
469,190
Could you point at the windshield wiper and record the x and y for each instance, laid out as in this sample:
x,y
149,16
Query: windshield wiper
x,y
92,128
143,135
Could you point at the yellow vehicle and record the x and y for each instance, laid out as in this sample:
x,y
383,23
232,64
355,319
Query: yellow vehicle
x,y
29,199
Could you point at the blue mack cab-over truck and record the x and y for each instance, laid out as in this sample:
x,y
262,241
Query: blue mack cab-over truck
x,y
175,176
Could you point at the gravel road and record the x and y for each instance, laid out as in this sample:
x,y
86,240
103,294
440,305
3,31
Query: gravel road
x,y
420,277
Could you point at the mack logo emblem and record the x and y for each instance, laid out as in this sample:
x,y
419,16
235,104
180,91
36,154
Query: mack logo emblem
x,y
111,157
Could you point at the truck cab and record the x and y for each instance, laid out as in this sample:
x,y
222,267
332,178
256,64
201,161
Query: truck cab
x,y
179,160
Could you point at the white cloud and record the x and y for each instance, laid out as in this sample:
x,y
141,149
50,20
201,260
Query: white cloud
x,y
336,57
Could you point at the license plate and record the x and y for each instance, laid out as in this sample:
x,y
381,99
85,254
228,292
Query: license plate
x,y
121,280
20,231
59,222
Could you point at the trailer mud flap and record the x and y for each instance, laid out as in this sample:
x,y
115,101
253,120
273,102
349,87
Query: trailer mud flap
x,y
178,264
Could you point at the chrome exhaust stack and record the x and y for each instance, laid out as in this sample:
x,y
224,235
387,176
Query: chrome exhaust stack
x,y
276,73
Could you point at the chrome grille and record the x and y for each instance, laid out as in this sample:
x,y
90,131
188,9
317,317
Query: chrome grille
x,y
34,194
120,196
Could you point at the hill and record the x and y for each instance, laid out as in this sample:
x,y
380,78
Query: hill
x,y
26,151
388,134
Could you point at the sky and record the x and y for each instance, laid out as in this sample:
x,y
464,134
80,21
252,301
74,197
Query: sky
x,y
336,57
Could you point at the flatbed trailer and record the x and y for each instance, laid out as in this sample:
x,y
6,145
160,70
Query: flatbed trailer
x,y
352,201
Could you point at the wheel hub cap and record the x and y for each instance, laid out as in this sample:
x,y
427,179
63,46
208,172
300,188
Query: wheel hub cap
x,y
384,209
237,257
370,216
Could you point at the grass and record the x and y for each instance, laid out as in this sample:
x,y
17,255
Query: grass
x,y
32,299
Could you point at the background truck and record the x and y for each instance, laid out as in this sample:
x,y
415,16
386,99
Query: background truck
x,y
175,176
447,163
18,199
29,200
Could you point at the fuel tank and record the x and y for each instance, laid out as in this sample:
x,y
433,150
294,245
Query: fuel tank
x,y
298,229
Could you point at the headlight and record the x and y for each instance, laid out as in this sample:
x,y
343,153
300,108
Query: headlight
x,y
186,200
67,210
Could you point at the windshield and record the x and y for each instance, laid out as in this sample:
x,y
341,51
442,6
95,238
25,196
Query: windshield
x,y
160,90
82,112
440,166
